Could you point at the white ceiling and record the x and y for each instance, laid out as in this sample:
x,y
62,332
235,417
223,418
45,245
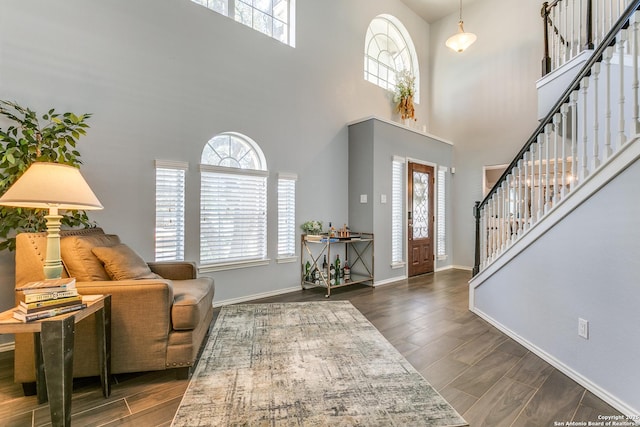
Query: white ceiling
x,y
433,10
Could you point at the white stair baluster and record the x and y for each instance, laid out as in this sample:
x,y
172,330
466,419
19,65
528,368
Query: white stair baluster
x,y
622,37
585,130
526,189
635,25
540,188
556,141
606,58
548,198
596,147
574,137
563,154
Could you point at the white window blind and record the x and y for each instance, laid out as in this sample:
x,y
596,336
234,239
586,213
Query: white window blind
x,y
170,194
233,209
441,244
286,215
397,228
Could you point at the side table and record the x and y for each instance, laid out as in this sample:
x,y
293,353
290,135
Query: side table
x,y
53,339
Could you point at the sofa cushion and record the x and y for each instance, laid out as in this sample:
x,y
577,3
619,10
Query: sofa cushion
x,y
192,300
80,261
123,263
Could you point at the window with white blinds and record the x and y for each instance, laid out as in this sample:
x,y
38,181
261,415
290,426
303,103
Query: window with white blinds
x,y
233,201
441,243
286,216
170,194
397,227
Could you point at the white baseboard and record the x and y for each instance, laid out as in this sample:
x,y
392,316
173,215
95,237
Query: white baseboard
x,y
462,267
256,296
567,370
388,281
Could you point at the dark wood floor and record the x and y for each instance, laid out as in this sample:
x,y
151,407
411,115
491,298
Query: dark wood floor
x,y
490,379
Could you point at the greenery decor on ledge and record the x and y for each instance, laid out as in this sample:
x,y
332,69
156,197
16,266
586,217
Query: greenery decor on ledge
x,y
405,91
312,227
26,140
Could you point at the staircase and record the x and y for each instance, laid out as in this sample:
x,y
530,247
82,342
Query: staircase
x,y
558,236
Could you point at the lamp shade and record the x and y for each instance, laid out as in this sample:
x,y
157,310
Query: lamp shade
x,y
461,40
51,185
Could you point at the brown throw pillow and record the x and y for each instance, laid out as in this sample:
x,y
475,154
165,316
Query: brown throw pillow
x,y
123,263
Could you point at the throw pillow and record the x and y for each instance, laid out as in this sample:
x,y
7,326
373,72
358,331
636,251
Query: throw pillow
x,y
78,259
123,263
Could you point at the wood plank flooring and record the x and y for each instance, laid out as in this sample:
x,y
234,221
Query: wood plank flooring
x,y
490,379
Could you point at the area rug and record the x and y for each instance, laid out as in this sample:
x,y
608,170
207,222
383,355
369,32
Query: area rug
x,y
306,364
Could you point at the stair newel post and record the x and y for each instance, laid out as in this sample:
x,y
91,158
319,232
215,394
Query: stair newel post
x,y
622,38
476,214
563,155
574,138
540,188
483,235
595,72
547,159
556,142
546,60
585,132
635,128
606,58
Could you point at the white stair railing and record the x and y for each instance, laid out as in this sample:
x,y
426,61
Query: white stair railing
x,y
572,26
575,140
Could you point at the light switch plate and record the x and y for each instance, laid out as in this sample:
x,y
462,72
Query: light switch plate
x,y
363,198
383,198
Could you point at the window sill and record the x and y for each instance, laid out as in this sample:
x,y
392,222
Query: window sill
x,y
397,265
232,265
288,259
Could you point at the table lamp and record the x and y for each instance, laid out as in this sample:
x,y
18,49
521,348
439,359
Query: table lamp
x,y
52,186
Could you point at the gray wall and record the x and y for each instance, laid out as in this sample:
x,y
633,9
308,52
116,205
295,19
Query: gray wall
x,y
163,77
372,145
574,271
484,99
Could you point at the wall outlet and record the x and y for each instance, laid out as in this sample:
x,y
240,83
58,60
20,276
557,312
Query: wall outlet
x,y
583,328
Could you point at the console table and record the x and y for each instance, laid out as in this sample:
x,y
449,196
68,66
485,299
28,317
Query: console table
x,y
53,339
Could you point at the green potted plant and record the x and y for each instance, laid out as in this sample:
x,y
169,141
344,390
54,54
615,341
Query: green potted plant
x,y
404,93
312,227
30,138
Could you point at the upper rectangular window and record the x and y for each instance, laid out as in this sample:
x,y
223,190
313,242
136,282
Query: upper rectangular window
x,y
275,18
286,216
170,194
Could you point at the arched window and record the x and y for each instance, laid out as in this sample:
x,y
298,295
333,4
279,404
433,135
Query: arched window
x,y
388,50
233,201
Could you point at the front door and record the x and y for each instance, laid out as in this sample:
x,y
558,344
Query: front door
x,y
420,218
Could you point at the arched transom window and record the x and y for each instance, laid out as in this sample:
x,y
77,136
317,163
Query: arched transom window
x,y
233,201
388,50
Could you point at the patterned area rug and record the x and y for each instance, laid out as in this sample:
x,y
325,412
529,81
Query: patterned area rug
x,y
306,364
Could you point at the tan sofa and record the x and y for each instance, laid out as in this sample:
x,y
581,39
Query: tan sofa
x,y
159,319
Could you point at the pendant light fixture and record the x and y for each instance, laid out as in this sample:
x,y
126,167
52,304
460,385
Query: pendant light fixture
x,y
461,40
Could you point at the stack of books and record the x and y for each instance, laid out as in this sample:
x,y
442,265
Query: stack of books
x,y
47,298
